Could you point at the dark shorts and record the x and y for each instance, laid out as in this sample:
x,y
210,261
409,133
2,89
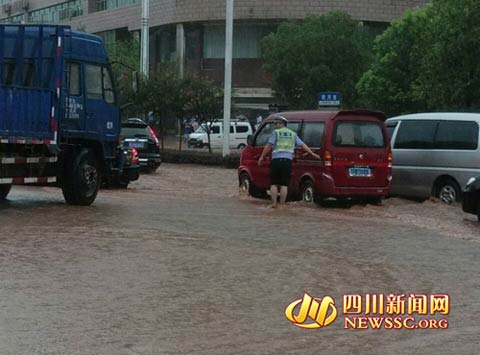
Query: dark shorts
x,y
280,170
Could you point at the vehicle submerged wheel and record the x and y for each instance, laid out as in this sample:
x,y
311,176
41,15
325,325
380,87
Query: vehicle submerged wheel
x,y
307,191
82,179
248,188
4,190
448,191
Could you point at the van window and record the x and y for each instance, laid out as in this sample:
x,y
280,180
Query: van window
x,y
416,134
215,130
231,129
264,135
461,135
312,133
242,129
358,134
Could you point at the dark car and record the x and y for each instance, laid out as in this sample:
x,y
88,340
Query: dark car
x,y
127,169
471,197
137,134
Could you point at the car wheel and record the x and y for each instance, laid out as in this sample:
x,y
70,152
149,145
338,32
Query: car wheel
x,y
448,191
4,190
241,146
248,188
307,191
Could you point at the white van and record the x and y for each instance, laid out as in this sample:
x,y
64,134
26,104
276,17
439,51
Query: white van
x,y
239,131
434,154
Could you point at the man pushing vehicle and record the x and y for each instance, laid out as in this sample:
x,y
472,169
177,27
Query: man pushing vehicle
x,y
282,142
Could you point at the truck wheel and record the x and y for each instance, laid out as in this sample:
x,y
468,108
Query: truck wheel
x,y
4,190
82,180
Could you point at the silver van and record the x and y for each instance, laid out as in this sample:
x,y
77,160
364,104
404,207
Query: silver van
x,y
434,154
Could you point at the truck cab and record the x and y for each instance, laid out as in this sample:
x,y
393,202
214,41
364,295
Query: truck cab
x,y
59,112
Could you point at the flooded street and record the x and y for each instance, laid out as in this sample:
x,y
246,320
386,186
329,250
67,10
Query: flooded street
x,y
179,263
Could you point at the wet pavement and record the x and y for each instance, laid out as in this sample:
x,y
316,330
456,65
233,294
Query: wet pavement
x,y
179,263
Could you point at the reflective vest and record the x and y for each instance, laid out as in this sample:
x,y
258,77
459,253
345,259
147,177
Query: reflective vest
x,y
285,140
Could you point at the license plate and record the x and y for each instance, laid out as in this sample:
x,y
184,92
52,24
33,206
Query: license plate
x,y
361,172
135,144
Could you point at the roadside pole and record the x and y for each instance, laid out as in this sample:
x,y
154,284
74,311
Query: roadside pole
x,y
145,38
227,101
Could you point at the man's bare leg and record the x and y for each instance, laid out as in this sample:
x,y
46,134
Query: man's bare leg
x,y
283,194
273,195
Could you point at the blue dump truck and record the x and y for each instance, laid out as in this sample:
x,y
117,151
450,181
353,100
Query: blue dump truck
x,y
59,112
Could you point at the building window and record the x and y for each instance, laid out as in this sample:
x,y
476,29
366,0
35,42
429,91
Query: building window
x,y
56,13
113,4
109,37
246,41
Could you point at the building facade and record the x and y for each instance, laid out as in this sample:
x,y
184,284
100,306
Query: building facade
x,y
190,34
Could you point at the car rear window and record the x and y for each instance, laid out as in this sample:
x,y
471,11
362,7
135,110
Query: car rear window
x,y
135,131
358,134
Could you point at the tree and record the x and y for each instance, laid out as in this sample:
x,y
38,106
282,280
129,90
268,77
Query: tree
x,y
169,96
125,56
390,83
427,60
205,101
450,77
164,95
320,53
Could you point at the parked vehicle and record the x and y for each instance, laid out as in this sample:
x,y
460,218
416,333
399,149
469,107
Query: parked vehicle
x,y
131,170
434,154
353,144
59,113
239,132
471,197
137,134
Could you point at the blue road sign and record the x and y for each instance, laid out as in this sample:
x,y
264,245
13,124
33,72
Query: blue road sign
x,y
329,99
